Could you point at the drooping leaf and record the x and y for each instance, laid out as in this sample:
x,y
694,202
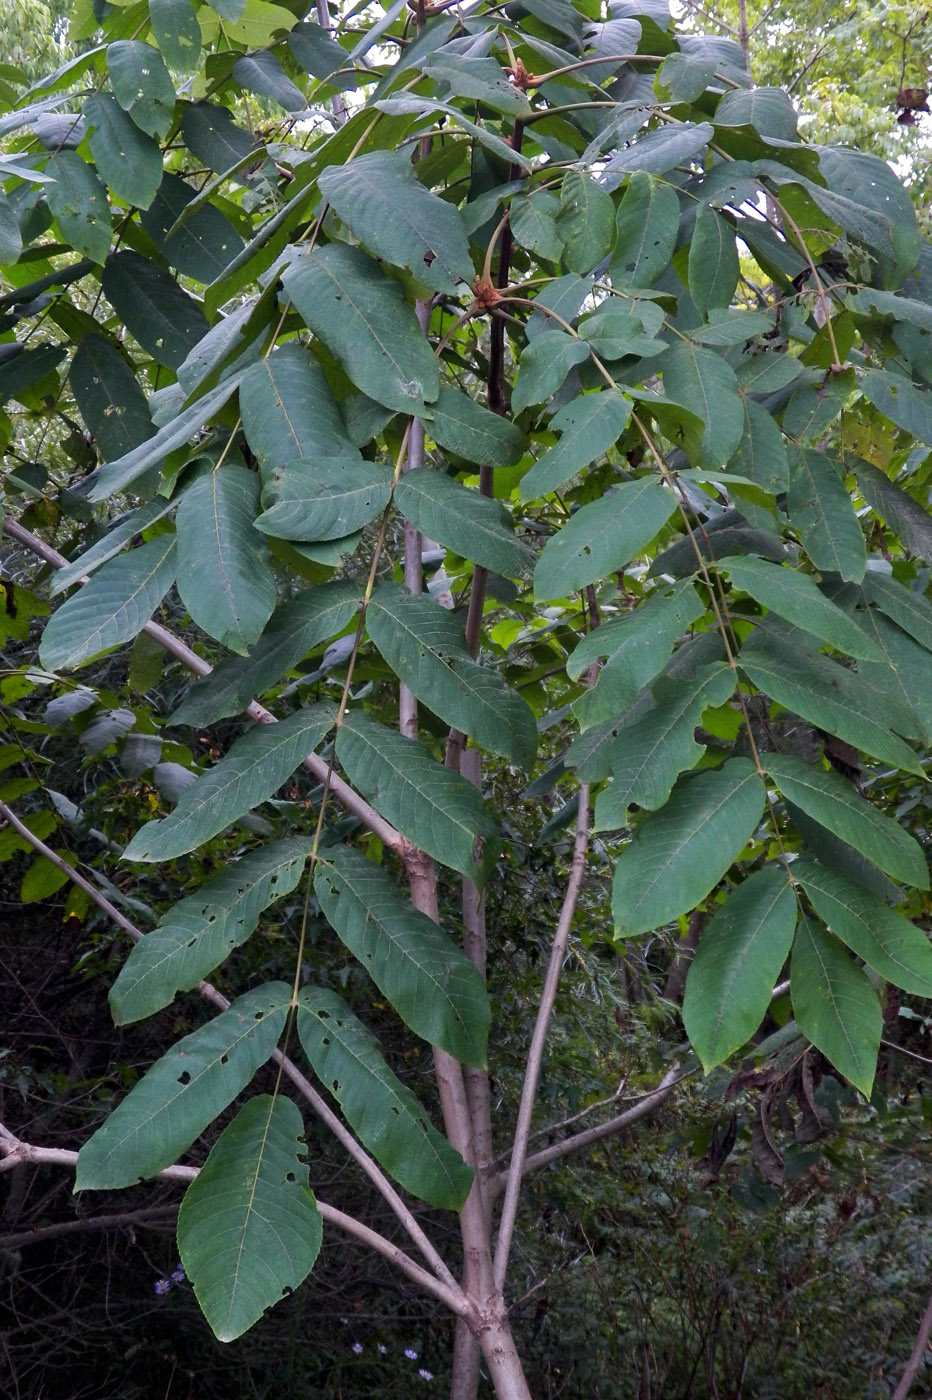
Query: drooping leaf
x,y
588,427
908,608
183,1092
78,202
898,509
713,261
585,223
426,648
705,384
658,151
142,85
461,519
795,597
164,319
482,78
108,394
739,959
835,1006
253,769
433,986
11,238
835,804
761,453
545,362
261,73
295,628
533,221
463,426
432,805
224,579
288,410
827,695
602,537
112,608
127,159
362,317
249,1230
387,208
322,500
636,645
680,853
868,201
886,940
199,244
199,932
109,545
648,756
175,26
901,672
647,224
768,109
385,1114
212,135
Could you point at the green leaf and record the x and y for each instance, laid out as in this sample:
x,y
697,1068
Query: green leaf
x,y
768,109
288,410
545,362
142,86
386,1116
740,956
165,320
318,54
433,986
78,202
613,333
909,609
648,223
262,74
108,394
682,78
761,453
362,317
730,327
821,510
432,805
533,220
868,201
835,1006
891,945
211,134
835,804
588,427
658,151
249,773
602,537
109,545
249,1230
705,383
902,673
175,26
637,644
200,244
224,579
827,695
112,608
585,223
380,199
199,933
11,238
472,525
426,648
296,628
183,1092
482,78
648,756
896,508
323,500
795,597
713,261
467,429
128,160
679,854
116,475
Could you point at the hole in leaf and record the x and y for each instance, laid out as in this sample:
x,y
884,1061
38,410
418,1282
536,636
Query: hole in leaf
x,y
184,1077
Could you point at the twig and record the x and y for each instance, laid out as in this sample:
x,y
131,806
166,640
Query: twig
x,y
515,1172
112,1221
916,1355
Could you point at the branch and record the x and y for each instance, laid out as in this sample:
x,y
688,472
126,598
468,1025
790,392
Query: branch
x,y
84,1223
323,1110
539,1039
15,1153
316,766
916,1355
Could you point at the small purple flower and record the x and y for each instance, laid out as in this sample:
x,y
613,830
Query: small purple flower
x,y
382,1349
427,1375
162,1286
410,1353
357,1348
177,1274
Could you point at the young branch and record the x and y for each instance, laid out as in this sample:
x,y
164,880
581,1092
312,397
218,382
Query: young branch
x,y
916,1355
539,1039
